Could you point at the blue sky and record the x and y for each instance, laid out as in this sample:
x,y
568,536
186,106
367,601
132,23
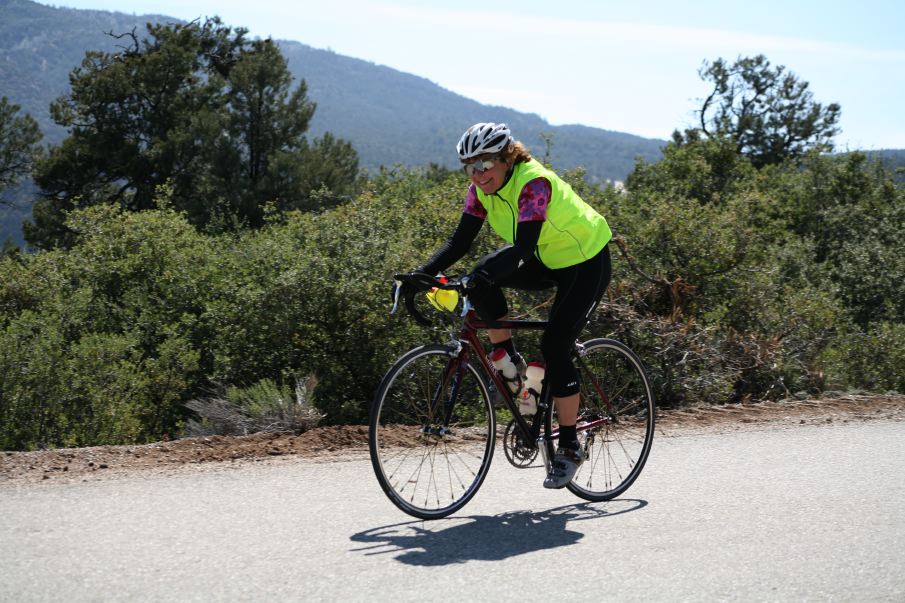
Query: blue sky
x,y
624,66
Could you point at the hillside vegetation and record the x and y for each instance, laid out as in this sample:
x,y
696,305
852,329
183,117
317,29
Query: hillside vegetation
x,y
200,257
787,280
389,116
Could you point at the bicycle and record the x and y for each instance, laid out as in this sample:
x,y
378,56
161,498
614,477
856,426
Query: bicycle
x,y
432,426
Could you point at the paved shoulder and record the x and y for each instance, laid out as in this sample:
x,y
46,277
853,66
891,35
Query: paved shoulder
x,y
811,513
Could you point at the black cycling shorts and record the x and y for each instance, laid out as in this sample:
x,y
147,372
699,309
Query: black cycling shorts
x,y
578,291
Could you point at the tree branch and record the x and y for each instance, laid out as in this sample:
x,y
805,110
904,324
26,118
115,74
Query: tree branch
x,y
135,43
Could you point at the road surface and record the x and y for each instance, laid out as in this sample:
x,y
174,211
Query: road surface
x,y
810,513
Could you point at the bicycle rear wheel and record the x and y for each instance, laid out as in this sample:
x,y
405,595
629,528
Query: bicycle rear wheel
x,y
616,393
431,432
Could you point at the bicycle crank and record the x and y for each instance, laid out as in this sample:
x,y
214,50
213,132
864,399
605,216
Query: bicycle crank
x,y
518,453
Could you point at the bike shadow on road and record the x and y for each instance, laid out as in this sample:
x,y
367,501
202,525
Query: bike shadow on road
x,y
486,538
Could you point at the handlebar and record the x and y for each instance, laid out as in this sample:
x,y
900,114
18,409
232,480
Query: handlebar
x,y
423,281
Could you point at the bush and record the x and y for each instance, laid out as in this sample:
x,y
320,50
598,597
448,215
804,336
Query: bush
x,y
853,211
746,284
97,345
871,361
263,407
726,286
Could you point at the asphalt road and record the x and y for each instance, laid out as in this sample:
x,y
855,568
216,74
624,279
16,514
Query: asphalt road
x,y
804,514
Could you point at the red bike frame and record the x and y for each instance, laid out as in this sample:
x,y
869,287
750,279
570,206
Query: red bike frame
x,y
469,334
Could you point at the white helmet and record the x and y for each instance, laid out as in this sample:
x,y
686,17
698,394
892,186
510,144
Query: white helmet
x,y
483,138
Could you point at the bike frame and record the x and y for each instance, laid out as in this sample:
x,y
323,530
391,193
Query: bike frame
x,y
470,341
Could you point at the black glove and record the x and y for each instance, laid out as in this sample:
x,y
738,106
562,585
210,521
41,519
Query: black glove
x,y
407,287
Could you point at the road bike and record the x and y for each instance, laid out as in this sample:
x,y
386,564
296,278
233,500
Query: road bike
x,y
433,422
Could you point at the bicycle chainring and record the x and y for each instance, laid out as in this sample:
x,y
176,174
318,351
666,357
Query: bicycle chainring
x,y
518,453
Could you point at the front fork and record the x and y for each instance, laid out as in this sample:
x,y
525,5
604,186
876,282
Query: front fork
x,y
442,409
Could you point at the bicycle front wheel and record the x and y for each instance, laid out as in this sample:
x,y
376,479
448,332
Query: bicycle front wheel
x,y
432,430
617,397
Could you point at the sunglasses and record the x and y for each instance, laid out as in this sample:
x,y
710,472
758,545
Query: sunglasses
x,y
479,166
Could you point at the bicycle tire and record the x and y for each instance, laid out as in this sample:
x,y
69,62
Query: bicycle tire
x,y
617,451
430,459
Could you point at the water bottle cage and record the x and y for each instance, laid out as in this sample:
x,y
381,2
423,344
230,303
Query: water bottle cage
x,y
517,380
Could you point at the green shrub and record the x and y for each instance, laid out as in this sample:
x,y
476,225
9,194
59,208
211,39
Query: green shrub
x,y
262,407
99,344
872,361
731,290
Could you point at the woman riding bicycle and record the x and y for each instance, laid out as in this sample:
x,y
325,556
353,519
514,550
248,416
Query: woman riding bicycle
x,y
554,239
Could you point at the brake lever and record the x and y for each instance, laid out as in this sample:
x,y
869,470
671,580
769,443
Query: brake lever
x,y
396,296
466,305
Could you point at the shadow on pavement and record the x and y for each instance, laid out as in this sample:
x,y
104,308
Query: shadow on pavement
x,y
486,538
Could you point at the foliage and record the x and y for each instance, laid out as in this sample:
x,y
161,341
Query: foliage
x,y
769,114
872,360
144,312
196,107
262,407
19,137
726,289
259,255
853,211
96,343
703,169
892,159
357,100
752,284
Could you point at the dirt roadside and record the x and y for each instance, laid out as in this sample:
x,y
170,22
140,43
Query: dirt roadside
x,y
336,443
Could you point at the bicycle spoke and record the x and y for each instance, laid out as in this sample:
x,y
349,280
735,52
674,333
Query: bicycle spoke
x,y
432,426
614,388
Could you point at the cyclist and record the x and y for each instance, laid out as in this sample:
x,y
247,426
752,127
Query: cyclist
x,y
554,239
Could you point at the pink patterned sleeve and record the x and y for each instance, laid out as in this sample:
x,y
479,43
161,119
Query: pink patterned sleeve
x,y
533,200
472,205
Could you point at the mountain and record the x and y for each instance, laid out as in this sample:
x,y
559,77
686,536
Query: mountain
x,y
40,45
893,159
389,116
394,117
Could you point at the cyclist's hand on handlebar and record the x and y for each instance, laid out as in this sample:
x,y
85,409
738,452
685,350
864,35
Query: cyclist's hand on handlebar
x,y
406,285
411,282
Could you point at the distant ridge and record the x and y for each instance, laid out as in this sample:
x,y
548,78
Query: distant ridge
x,y
391,117
395,117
